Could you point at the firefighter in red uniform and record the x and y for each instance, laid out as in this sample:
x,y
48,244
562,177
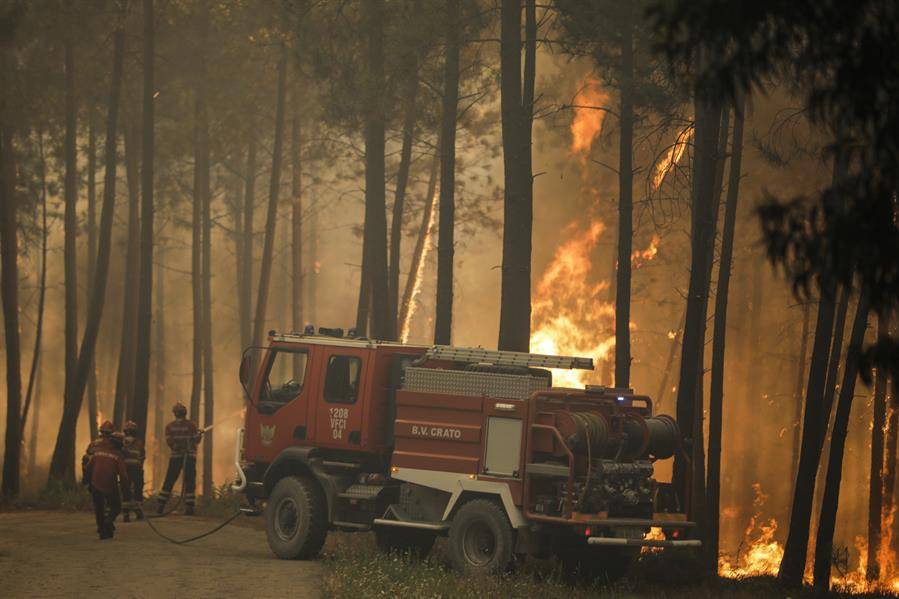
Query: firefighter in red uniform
x,y
103,468
133,449
182,437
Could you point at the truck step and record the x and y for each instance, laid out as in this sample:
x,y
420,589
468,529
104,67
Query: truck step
x,y
353,525
347,465
361,492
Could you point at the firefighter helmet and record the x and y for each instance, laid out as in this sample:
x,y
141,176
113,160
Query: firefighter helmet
x,y
179,410
107,428
130,426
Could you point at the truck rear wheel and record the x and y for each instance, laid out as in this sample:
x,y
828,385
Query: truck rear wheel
x,y
481,540
296,518
412,541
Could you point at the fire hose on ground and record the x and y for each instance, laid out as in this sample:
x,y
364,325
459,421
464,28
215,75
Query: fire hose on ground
x,y
217,528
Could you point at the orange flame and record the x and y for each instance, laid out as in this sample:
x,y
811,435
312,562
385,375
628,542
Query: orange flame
x,y
641,257
588,115
568,313
673,156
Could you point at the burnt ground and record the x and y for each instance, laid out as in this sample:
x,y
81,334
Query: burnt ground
x,y
57,554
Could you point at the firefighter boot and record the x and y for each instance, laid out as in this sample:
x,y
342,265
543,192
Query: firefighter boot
x,y
126,516
160,507
189,511
139,514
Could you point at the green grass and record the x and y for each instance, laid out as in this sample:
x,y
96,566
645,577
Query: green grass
x,y
54,496
355,569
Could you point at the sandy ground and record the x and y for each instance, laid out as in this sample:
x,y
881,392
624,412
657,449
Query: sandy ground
x,y
55,554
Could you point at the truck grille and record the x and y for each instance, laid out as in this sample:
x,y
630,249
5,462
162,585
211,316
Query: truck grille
x,y
473,384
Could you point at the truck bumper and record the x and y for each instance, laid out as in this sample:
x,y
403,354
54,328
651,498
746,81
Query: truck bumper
x,y
619,542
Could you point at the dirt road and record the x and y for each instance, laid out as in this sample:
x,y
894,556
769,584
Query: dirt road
x,y
55,554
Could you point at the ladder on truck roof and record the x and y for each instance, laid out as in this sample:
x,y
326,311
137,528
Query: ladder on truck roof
x,y
507,358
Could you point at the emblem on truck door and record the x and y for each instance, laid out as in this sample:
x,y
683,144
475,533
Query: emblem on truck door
x,y
266,434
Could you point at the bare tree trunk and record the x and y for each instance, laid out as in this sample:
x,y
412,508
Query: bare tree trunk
x,y
35,421
716,402
197,257
265,267
375,229
516,111
42,294
125,374
416,267
443,320
792,565
875,486
704,211
625,209
245,280
9,293
296,217
141,398
91,257
797,393
208,372
312,280
63,468
159,378
62,465
824,538
402,179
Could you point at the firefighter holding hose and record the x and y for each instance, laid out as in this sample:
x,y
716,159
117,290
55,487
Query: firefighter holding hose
x,y
103,468
133,450
182,437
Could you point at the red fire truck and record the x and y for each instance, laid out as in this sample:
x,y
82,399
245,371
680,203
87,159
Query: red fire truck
x,y
414,442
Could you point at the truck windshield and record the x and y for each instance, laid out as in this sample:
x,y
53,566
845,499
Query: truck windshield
x,y
284,382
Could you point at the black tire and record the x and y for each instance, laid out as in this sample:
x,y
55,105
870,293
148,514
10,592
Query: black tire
x,y
481,539
296,518
413,542
597,564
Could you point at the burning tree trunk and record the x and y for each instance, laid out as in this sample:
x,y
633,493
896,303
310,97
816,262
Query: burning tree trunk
x,y
443,320
689,393
62,465
517,115
875,486
141,397
402,180
792,565
265,267
625,209
422,246
716,401
91,256
245,280
9,290
824,538
125,375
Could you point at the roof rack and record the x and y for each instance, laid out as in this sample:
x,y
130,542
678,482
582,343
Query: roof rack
x,y
507,358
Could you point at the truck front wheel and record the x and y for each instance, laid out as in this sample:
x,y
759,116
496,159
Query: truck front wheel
x,y
296,518
481,540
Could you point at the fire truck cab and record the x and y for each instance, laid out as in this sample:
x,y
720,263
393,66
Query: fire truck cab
x,y
414,442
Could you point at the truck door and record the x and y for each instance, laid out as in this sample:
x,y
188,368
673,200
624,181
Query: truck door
x,y
280,409
341,398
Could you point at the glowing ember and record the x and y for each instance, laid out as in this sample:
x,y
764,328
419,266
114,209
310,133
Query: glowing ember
x,y
568,312
588,115
672,157
406,325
